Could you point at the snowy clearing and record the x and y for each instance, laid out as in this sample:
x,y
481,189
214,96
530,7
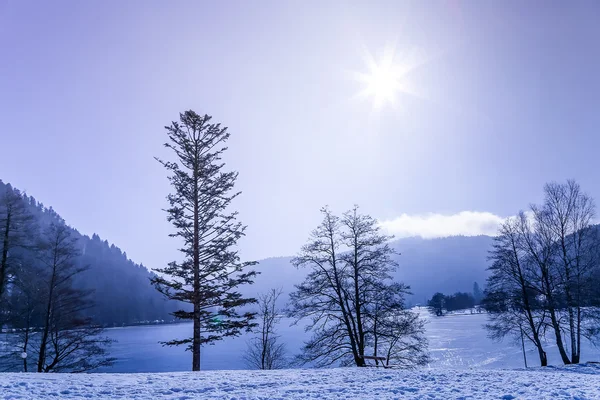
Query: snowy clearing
x,y
575,382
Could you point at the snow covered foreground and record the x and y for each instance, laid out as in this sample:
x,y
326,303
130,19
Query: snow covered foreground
x,y
576,382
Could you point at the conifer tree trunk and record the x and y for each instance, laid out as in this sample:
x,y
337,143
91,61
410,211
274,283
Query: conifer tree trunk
x,y
197,336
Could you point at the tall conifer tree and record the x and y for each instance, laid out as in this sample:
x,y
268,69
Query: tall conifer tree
x,y
211,272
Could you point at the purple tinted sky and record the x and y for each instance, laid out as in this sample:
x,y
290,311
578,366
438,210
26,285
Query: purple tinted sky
x,y
508,99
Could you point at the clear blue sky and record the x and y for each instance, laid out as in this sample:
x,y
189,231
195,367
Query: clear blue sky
x,y
503,99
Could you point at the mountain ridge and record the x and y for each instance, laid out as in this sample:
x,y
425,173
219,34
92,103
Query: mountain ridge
x,y
427,265
123,294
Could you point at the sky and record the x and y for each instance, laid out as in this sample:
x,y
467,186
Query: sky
x,y
493,99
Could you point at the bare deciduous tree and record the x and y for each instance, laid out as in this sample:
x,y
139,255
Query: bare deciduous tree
x,y
266,351
48,314
350,264
545,271
322,299
24,317
397,333
567,214
68,341
511,297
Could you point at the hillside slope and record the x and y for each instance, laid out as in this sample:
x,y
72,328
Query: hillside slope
x,y
122,290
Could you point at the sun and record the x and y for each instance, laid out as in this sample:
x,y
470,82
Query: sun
x,y
385,79
382,84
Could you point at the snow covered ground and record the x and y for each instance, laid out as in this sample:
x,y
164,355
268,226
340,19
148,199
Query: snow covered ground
x,y
575,382
465,365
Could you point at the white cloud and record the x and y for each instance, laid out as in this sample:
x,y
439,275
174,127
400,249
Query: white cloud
x,y
467,223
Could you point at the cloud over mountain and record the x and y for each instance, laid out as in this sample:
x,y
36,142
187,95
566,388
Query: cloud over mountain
x,y
433,225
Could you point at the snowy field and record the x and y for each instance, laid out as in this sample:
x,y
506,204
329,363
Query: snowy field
x,y
575,382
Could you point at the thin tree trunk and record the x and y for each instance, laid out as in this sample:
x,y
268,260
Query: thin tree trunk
x,y
558,336
359,361
543,356
44,341
523,348
571,314
536,340
361,334
573,336
569,295
578,353
555,323
527,306
265,342
375,336
25,343
3,262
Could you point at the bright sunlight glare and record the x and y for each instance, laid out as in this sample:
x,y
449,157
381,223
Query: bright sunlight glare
x,y
385,79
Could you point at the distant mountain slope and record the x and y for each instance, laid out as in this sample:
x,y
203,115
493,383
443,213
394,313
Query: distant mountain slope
x,y
123,294
122,290
442,265
428,265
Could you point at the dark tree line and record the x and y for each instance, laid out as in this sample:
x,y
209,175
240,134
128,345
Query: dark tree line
x,y
545,274
122,292
439,304
353,306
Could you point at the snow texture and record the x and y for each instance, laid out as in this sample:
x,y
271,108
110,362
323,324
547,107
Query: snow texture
x,y
573,382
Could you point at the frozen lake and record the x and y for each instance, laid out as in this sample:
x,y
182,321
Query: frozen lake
x,y
455,341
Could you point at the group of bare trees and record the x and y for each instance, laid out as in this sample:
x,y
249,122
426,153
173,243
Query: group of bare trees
x,y
40,308
353,306
545,274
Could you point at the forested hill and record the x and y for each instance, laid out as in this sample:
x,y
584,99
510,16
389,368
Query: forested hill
x,y
122,290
